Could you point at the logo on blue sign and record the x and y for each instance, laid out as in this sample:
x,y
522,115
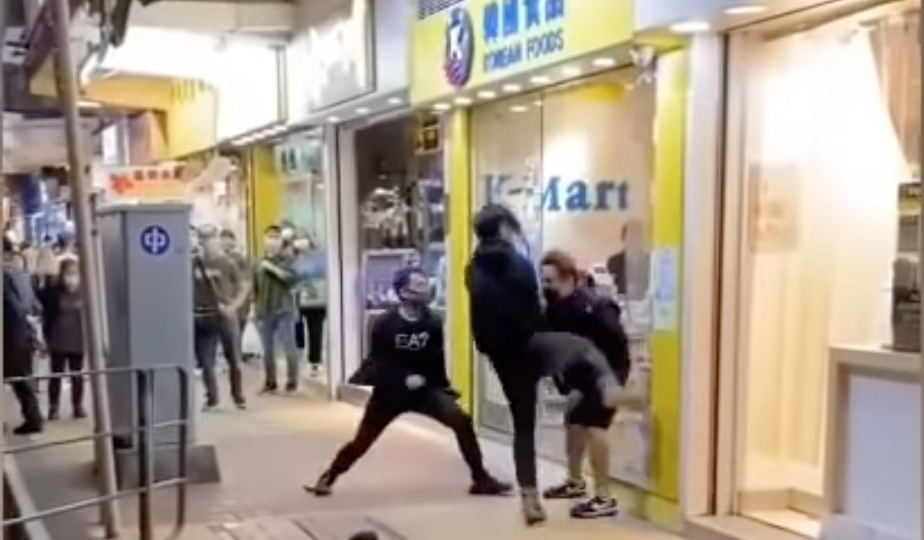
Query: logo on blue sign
x,y
155,240
460,48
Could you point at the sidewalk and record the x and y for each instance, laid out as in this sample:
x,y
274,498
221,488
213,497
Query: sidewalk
x,y
411,486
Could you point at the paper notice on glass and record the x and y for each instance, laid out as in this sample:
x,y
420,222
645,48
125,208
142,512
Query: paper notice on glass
x,y
664,303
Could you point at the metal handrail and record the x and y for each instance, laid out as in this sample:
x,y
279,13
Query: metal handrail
x,y
143,431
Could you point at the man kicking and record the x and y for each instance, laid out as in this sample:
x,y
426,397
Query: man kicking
x,y
407,368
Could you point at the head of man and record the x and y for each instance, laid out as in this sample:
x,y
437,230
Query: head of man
x,y
413,288
272,239
497,222
228,240
210,241
560,275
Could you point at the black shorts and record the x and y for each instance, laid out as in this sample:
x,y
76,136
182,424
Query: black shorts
x,y
590,412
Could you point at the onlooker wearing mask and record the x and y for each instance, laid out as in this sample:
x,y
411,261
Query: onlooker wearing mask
x,y
219,291
18,348
274,308
576,310
233,251
15,263
311,294
62,304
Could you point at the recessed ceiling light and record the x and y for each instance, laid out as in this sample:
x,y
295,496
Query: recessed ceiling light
x,y
604,62
487,94
362,110
511,88
745,10
538,103
394,101
518,109
540,79
690,27
441,107
571,71
462,100
333,119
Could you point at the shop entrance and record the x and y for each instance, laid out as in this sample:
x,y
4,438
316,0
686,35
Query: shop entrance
x,y
823,139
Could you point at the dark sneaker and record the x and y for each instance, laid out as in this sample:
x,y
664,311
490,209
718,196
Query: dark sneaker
x,y
595,507
570,489
488,485
241,405
323,487
269,389
533,513
28,428
291,388
210,406
79,412
53,414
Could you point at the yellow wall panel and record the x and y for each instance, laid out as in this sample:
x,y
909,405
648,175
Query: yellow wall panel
x,y
130,92
266,192
459,251
667,239
192,118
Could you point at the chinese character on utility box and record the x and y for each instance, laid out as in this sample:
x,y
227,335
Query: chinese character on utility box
x,y
491,22
511,17
554,10
533,9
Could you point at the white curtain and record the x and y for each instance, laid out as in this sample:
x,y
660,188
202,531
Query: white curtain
x,y
824,163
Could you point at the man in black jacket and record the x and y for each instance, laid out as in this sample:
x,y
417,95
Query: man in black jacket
x,y
407,368
18,348
574,309
505,315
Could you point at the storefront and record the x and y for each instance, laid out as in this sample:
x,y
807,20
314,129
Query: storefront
x,y
553,110
810,396
355,165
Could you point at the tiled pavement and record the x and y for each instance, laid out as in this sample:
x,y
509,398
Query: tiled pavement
x,y
411,486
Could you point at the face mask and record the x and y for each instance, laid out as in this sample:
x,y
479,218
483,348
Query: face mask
x,y
71,281
272,244
302,244
550,295
287,234
212,246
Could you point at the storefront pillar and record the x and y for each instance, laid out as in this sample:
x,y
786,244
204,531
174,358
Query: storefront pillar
x,y
457,151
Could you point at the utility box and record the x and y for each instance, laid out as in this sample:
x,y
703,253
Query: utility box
x,y
147,268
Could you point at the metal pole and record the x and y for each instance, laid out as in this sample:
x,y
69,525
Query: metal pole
x,y
68,94
5,217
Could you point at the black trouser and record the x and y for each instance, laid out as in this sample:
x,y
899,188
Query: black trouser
x,y
66,363
210,330
18,363
310,328
384,407
520,389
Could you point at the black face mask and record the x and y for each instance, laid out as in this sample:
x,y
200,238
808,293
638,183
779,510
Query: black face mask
x,y
551,295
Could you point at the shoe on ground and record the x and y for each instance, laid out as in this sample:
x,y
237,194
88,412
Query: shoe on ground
x,y
53,414
531,506
29,428
241,405
79,412
269,389
210,406
570,489
291,388
596,507
323,487
488,485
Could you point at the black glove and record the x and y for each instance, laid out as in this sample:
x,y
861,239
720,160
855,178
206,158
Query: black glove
x,y
452,392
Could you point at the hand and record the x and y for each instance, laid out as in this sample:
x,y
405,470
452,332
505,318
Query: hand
x,y
413,382
266,265
453,393
227,311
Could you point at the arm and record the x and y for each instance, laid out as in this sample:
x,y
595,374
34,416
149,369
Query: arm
x,y
281,271
437,355
613,341
13,304
241,285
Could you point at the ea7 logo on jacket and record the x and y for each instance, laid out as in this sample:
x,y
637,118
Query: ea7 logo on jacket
x,y
412,342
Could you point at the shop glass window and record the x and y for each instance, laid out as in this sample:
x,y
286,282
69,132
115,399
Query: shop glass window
x,y
831,172
575,163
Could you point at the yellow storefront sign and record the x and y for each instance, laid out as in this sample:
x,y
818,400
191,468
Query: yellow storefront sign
x,y
465,44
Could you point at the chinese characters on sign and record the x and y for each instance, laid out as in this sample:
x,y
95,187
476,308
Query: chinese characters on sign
x,y
517,31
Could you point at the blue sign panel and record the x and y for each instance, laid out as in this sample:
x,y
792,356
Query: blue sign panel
x,y
155,240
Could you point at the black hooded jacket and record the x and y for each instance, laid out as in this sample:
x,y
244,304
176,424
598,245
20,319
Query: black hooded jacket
x,y
504,297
